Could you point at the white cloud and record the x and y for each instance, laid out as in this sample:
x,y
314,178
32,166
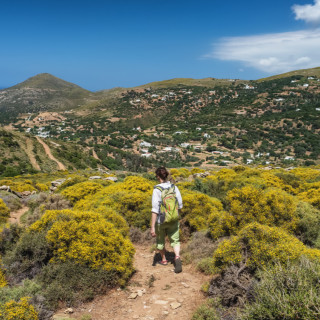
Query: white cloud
x,y
309,13
277,52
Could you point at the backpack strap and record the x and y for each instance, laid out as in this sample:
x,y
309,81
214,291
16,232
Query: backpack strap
x,y
159,188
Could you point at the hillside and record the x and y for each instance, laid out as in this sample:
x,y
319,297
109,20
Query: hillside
x,y
24,153
42,92
83,249
312,72
186,122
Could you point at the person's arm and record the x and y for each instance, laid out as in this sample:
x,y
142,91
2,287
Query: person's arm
x,y
179,198
153,224
155,209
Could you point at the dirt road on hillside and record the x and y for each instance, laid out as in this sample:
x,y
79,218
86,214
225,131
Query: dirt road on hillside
x,y
49,154
153,293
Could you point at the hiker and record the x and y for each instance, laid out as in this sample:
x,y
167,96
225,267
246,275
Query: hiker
x,y
166,200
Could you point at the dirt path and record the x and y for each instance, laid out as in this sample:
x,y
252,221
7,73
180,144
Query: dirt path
x,y
94,154
29,151
49,154
28,148
16,215
153,293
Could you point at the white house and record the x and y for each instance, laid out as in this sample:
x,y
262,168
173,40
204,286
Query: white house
x,y
154,96
247,87
145,144
198,129
306,85
207,135
289,158
317,109
146,155
249,161
184,145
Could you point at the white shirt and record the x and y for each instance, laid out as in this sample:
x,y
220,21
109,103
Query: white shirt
x,y
156,196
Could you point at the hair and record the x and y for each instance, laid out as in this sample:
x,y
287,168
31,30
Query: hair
x,y
162,173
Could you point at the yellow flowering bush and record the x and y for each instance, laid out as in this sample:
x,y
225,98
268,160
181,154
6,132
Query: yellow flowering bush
x,y
125,198
311,196
19,186
196,170
42,187
87,239
21,310
3,281
81,190
4,211
258,245
136,183
197,208
270,207
183,172
306,174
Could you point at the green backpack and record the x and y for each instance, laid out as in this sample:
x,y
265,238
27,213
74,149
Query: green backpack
x,y
168,205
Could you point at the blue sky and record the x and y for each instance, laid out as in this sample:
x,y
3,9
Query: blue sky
x,y
104,44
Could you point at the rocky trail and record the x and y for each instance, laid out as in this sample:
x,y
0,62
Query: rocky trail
x,y
154,292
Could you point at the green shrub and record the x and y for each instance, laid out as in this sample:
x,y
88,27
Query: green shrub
x,y
308,228
28,288
210,310
27,257
74,283
286,291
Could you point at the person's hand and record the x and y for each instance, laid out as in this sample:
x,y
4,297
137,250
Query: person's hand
x,y
153,232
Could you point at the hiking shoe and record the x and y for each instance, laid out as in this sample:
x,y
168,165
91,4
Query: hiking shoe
x,y
177,265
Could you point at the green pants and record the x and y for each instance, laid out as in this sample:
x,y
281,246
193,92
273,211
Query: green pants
x,y
171,229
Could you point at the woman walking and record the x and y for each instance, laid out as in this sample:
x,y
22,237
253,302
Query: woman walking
x,y
166,201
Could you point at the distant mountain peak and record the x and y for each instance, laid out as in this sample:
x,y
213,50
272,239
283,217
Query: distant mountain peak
x,y
46,81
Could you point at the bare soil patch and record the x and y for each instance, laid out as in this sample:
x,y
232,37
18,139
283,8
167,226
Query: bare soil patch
x,y
154,292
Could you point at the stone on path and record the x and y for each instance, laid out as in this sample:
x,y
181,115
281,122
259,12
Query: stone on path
x,y
133,295
175,305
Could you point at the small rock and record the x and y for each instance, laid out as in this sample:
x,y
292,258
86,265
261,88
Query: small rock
x,y
161,302
175,305
135,317
180,300
69,310
140,293
115,179
185,285
94,177
133,295
26,193
165,313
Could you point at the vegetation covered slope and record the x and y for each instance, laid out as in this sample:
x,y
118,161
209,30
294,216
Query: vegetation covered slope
x,y
23,153
251,229
185,122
